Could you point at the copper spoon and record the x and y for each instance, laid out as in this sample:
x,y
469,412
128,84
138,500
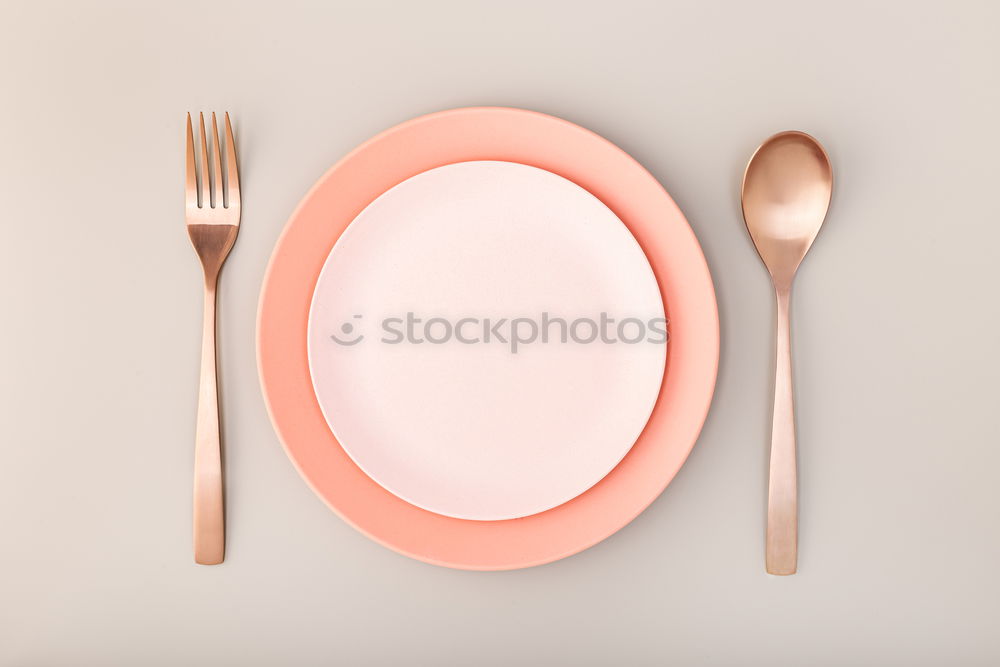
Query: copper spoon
x,y
786,193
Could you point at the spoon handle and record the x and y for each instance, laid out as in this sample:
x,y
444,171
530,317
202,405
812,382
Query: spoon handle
x,y
782,494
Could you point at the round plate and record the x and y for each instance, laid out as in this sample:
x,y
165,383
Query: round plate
x,y
487,340
594,164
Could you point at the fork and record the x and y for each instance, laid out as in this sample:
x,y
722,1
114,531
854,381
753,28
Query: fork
x,y
212,214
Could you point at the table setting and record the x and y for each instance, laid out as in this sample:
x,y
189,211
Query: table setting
x,y
469,457
450,333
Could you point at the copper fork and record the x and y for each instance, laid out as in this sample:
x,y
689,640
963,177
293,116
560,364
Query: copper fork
x,y
212,213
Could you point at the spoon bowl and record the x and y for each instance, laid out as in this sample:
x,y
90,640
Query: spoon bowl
x,y
786,194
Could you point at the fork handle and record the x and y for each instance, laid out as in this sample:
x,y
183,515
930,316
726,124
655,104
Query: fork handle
x,y
782,496
209,520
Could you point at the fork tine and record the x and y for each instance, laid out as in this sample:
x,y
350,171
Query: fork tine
x,y
206,184
191,179
219,201
232,171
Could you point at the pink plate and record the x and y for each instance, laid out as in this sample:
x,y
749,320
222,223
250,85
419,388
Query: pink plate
x,y
599,167
482,429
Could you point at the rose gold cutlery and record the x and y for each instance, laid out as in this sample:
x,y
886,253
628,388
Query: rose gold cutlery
x,y
786,193
212,213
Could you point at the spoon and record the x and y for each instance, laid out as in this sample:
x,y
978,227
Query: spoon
x,y
786,193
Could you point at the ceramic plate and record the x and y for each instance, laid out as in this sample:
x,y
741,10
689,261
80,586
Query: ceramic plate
x,y
487,340
596,166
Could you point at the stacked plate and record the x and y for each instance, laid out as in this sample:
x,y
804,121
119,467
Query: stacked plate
x,y
488,338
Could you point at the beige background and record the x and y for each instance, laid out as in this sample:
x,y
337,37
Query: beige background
x,y
895,339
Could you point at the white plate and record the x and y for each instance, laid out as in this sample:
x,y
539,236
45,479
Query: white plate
x,y
485,428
